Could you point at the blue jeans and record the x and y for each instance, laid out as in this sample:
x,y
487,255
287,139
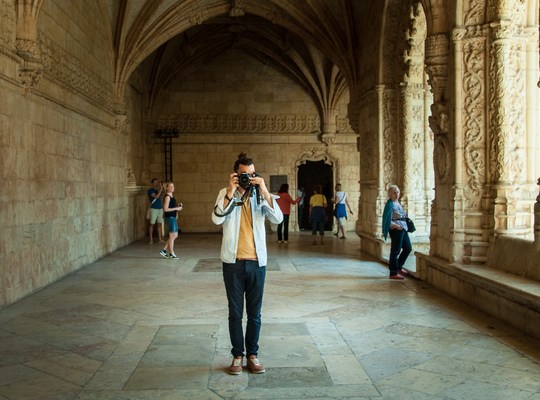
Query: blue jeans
x,y
245,277
400,244
285,226
172,224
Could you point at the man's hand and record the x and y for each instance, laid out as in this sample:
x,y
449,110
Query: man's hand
x,y
259,180
233,185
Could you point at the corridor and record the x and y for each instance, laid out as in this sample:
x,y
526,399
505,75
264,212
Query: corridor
x,y
136,326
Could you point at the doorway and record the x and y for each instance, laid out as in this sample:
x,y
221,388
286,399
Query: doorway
x,y
313,173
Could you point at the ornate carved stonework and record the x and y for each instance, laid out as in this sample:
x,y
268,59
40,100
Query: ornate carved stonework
x,y
475,13
7,27
316,154
197,16
122,124
389,136
514,10
236,8
473,119
71,73
507,100
437,51
241,123
393,71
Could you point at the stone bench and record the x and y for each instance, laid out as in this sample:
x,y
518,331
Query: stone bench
x,y
506,287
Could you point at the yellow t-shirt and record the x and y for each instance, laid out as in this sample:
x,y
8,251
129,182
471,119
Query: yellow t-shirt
x,y
317,200
246,239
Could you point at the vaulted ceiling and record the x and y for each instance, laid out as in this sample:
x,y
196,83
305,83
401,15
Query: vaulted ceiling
x,y
315,42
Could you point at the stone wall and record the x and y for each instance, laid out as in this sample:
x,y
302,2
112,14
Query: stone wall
x,y
63,163
237,104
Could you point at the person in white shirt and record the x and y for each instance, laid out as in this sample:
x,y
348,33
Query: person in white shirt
x,y
241,208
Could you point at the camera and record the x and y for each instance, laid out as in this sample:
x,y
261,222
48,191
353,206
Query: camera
x,y
244,179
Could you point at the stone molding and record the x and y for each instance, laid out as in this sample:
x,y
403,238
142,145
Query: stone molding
x,y
240,123
63,68
317,154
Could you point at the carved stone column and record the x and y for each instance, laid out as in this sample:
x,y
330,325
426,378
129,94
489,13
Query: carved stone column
x,y
436,60
471,212
507,129
413,171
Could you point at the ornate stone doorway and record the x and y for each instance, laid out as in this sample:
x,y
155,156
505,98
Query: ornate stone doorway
x,y
311,173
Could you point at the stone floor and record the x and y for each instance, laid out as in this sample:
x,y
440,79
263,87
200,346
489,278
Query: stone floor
x,y
136,326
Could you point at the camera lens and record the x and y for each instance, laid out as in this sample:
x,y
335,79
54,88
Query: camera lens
x,y
243,179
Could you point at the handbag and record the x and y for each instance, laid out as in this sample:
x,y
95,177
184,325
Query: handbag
x,y
410,225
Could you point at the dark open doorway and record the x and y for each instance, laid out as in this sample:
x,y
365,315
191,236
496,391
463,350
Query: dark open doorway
x,y
310,174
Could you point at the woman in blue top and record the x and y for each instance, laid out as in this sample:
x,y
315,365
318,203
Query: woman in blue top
x,y
394,224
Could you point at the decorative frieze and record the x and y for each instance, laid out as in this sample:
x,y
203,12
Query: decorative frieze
x,y
63,68
241,123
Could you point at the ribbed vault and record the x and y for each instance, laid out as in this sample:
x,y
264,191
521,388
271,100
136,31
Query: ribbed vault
x,y
315,42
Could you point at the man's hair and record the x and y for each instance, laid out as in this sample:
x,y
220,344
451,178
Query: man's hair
x,y
153,179
242,160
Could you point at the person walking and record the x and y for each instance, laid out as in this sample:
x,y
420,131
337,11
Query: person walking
x,y
317,213
171,208
284,202
242,208
394,223
340,212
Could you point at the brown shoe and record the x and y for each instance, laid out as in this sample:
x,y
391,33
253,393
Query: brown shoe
x,y
397,277
236,366
255,366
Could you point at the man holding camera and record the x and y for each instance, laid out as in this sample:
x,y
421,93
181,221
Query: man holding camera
x,y
241,208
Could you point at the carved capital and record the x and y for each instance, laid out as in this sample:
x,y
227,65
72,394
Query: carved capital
x,y
458,34
31,66
502,30
121,124
237,9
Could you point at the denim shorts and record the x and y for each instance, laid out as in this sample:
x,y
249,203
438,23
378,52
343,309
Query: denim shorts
x,y
172,224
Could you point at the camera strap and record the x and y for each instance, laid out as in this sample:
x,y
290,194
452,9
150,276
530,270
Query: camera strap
x,y
243,199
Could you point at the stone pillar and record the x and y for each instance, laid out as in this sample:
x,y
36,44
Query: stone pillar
x,y
413,171
507,142
471,211
436,60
